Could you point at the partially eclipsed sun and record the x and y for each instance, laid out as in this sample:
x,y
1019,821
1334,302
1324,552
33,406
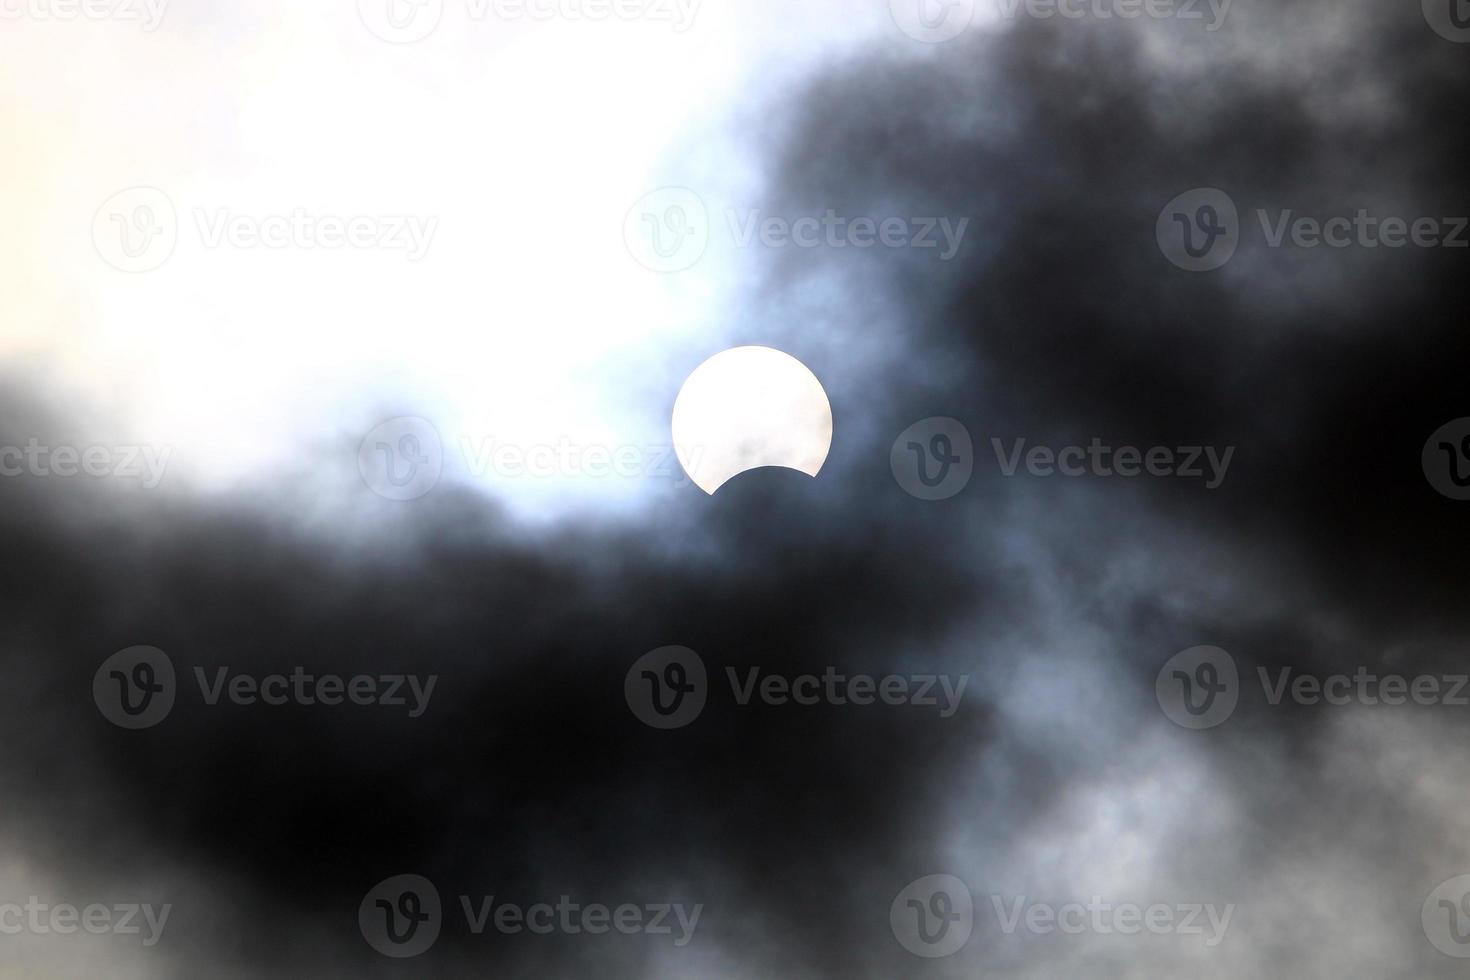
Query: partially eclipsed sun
x,y
749,407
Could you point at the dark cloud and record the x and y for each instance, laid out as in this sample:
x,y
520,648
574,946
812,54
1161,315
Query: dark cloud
x,y
529,777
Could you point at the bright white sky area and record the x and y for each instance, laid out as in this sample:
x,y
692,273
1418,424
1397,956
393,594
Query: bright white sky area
x,y
512,148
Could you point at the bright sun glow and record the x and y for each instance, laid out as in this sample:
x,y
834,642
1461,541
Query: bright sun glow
x,y
750,407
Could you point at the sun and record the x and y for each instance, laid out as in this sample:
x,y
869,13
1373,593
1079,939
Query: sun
x,y
749,407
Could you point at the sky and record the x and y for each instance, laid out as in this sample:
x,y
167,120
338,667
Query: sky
x,y
1127,717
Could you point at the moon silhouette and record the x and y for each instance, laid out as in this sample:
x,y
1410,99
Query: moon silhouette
x,y
749,407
